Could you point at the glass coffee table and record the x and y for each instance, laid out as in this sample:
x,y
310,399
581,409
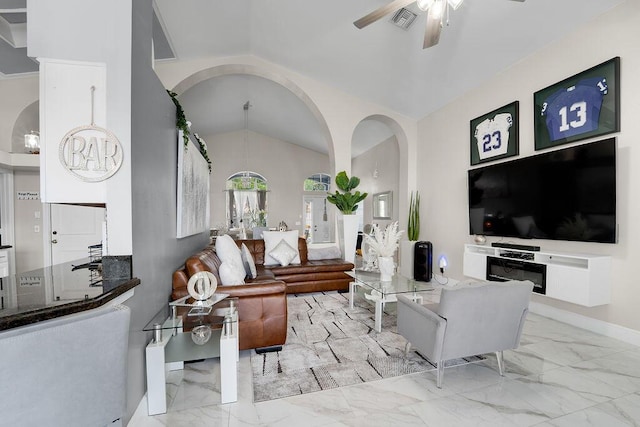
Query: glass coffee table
x,y
383,292
192,330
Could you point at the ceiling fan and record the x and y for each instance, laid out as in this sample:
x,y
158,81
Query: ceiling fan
x,y
436,10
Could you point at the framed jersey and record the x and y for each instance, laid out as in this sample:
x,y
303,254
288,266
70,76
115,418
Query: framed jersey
x,y
495,135
579,107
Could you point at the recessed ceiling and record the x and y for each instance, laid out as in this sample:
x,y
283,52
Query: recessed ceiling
x,y
215,106
380,63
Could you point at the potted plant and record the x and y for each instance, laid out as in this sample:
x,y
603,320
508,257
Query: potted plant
x,y
413,227
347,202
413,233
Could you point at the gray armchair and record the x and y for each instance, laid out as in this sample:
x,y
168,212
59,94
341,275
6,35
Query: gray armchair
x,y
471,319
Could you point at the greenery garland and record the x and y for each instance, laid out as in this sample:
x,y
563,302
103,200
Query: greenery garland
x,y
203,149
183,125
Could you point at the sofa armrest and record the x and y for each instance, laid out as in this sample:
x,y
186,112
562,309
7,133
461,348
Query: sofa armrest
x,y
254,289
262,313
422,327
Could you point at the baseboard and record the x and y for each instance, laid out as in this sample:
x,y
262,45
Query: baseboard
x,y
141,412
611,330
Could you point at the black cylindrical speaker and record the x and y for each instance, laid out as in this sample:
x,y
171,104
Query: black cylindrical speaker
x,y
423,261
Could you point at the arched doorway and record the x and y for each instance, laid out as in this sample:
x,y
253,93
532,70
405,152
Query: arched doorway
x,y
284,138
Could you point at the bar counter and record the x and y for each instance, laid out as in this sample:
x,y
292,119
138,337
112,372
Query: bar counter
x,y
56,291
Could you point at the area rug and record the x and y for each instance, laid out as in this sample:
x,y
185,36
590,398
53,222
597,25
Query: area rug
x,y
330,345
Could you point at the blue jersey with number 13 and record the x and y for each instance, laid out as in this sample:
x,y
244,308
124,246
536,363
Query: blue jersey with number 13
x,y
575,110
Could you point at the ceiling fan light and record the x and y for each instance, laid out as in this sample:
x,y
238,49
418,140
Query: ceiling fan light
x,y
424,4
455,3
437,8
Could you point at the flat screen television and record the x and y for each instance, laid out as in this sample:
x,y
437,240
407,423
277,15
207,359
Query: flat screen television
x,y
568,194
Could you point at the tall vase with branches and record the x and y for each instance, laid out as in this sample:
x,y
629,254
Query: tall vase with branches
x,y
384,245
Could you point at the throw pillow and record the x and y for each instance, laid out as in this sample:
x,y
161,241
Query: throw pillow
x,y
247,261
227,250
271,240
230,274
283,253
331,252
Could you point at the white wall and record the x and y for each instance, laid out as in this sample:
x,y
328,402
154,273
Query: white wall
x,y
99,33
28,244
284,165
444,153
16,94
385,158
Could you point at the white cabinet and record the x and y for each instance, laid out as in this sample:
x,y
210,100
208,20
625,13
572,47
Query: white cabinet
x,y
583,279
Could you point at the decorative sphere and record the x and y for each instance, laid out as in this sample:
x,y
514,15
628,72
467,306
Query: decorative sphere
x,y
201,334
202,285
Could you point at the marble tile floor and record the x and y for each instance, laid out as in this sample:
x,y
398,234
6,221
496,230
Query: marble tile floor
x,y
560,376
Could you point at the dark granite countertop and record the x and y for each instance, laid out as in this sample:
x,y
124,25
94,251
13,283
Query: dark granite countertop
x,y
56,291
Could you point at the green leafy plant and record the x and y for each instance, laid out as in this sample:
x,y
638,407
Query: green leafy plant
x,y
183,125
346,201
413,228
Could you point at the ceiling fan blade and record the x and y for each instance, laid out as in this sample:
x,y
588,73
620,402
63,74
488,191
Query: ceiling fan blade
x,y
382,11
432,32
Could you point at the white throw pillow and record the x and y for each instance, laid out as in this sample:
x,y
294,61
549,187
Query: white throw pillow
x,y
227,250
283,253
231,274
331,252
271,240
247,261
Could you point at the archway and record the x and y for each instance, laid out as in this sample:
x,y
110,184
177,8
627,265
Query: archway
x,y
379,147
28,120
231,69
285,162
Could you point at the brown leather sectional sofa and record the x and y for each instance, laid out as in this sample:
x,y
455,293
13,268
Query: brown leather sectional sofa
x,y
262,302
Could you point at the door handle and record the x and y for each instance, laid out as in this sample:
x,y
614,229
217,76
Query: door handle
x,y
54,241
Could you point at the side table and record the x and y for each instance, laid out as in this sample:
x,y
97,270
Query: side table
x,y
385,292
173,344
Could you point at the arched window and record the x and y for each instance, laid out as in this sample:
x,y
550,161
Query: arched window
x,y
317,182
246,200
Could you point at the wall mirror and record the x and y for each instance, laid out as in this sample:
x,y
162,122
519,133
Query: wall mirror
x,y
382,205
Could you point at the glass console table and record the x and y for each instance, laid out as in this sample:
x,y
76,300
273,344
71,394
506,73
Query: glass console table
x,y
192,330
384,292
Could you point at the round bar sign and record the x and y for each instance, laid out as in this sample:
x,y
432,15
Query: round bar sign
x,y
90,153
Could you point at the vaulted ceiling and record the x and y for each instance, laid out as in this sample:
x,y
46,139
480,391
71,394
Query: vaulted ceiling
x,y
380,63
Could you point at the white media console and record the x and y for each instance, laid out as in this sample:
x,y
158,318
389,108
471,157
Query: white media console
x,y
583,279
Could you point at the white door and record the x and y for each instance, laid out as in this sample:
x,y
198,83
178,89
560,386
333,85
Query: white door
x,y
316,218
73,230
